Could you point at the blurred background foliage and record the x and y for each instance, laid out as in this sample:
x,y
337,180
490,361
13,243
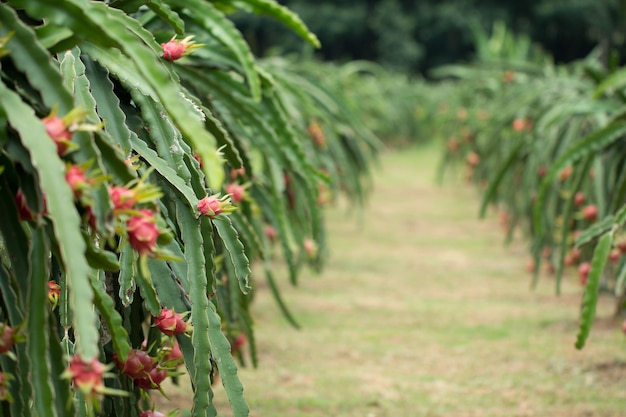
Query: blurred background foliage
x,y
416,36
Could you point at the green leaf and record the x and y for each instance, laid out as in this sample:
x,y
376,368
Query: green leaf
x,y
113,320
248,326
225,142
50,35
121,67
136,56
207,232
13,232
129,6
200,369
289,141
128,276
250,239
597,229
146,287
78,83
214,22
166,172
620,280
63,397
62,214
179,269
9,293
164,135
589,144
37,332
272,205
19,388
567,212
65,310
590,297
279,299
30,57
620,216
220,350
284,15
164,11
99,258
108,106
171,293
615,81
236,251
113,160
223,88
499,175
230,299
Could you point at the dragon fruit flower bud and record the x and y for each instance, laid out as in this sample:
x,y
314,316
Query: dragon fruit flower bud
x,y
122,198
211,206
174,49
75,177
23,211
153,380
270,232
138,364
60,129
239,172
172,323
310,247
173,356
143,232
59,132
237,192
54,293
9,336
87,376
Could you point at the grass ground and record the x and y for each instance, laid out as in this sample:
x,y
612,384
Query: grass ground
x,y
422,311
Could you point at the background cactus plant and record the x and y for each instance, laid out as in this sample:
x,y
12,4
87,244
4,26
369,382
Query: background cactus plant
x,y
548,158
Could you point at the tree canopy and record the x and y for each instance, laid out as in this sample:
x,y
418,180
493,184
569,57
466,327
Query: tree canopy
x,y
419,35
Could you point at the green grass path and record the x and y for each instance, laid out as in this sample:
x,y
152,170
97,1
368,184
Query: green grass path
x,y
423,312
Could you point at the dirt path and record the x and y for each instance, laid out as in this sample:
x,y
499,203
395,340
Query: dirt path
x,y
422,312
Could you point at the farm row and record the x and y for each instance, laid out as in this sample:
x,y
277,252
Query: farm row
x,y
544,144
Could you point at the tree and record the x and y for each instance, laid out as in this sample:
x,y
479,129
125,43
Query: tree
x,y
417,36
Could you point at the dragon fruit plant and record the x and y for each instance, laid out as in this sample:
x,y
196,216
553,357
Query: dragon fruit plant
x,y
125,253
